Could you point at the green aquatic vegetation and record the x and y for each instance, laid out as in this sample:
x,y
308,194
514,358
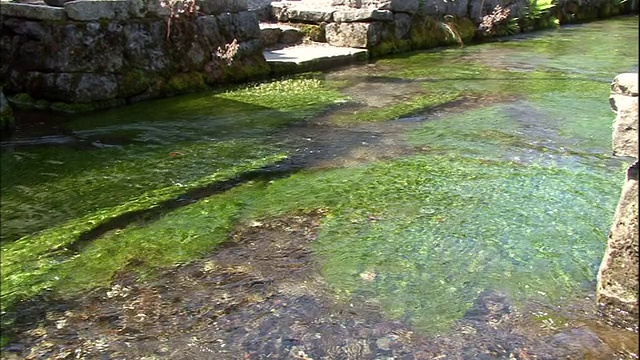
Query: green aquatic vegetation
x,y
44,188
401,108
37,262
288,94
51,196
514,196
432,257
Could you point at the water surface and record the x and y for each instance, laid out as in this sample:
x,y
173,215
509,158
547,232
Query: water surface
x,y
441,182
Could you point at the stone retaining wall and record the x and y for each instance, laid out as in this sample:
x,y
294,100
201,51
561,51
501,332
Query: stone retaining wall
x,y
88,54
618,275
96,54
385,26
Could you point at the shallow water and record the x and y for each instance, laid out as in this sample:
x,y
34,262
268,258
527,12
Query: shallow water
x,y
448,181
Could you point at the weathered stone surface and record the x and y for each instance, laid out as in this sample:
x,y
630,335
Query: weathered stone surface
x,y
58,3
290,36
143,47
270,35
402,24
96,61
91,10
356,35
147,8
370,14
350,3
618,275
625,127
244,25
35,12
302,12
221,6
71,87
624,102
405,6
625,84
439,8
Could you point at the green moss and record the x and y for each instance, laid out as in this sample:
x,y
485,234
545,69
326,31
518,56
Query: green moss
x,y
22,100
73,108
132,83
42,104
390,46
186,82
313,32
406,107
465,28
426,33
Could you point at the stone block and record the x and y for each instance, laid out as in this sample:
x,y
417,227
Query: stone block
x,y
617,291
355,35
624,102
402,24
71,87
439,8
625,84
213,7
270,35
91,10
302,12
34,12
370,14
403,6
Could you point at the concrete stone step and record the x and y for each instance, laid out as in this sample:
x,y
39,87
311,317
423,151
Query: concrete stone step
x,y
312,57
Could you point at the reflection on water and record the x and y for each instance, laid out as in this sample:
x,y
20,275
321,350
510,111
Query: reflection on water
x,y
450,204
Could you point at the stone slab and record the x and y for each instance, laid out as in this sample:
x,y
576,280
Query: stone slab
x,y
624,102
92,10
312,57
617,290
298,11
30,11
625,84
370,14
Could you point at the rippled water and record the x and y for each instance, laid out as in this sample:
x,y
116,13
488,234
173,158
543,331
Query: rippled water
x,y
448,180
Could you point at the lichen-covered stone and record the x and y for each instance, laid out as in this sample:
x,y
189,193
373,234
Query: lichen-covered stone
x,y
356,35
439,8
302,12
91,10
618,275
34,12
213,7
404,6
369,14
72,87
402,24
624,102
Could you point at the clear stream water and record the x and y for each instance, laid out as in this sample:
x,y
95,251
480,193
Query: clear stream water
x,y
447,180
